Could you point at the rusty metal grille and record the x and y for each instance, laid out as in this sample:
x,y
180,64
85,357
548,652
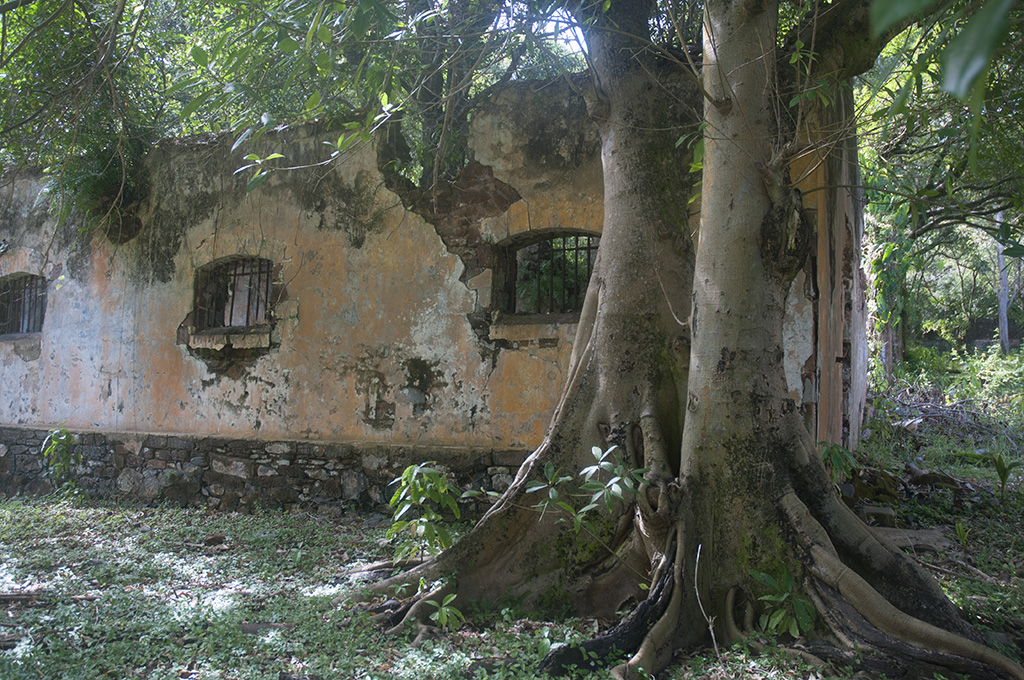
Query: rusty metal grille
x,y
552,275
233,294
22,304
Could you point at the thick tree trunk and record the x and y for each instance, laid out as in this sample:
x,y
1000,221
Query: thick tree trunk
x,y
735,485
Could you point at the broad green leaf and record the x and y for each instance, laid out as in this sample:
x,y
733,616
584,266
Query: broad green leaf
x,y
766,580
194,105
887,13
777,618
969,53
384,15
805,614
182,84
360,24
323,60
200,56
324,35
241,140
257,180
288,45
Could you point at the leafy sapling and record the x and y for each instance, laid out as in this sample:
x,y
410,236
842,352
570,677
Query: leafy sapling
x,y
59,454
785,611
839,461
608,480
1004,468
447,615
424,493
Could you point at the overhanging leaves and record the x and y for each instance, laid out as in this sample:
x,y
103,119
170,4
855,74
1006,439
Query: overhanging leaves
x,y
969,53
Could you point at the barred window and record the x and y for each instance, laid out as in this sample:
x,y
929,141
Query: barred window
x,y
233,294
22,304
551,276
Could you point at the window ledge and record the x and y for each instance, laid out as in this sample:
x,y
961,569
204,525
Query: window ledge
x,y
524,330
509,319
17,337
234,338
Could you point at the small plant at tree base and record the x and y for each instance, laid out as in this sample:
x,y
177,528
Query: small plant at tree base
x,y
839,461
962,531
59,454
621,484
424,492
785,612
446,616
1004,468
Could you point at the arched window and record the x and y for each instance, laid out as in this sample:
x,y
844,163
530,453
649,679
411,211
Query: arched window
x,y
22,304
550,276
233,294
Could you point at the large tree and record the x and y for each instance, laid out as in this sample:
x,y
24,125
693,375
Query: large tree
x,y
734,486
678,357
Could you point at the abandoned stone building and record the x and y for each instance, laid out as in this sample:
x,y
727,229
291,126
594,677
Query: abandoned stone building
x,y
303,342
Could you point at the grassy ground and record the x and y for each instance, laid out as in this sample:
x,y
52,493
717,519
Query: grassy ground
x,y
93,589
101,590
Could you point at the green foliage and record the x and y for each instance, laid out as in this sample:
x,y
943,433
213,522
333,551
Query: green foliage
x,y
961,531
839,460
1004,467
608,481
424,492
60,457
968,54
446,616
785,611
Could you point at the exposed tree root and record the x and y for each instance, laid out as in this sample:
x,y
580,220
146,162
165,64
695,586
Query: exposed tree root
x,y
891,621
905,630
624,638
658,645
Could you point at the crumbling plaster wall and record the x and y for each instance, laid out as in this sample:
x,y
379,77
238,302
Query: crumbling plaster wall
x,y
377,334
371,339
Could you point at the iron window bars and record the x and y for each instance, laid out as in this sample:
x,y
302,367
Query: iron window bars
x,y
22,304
551,276
233,295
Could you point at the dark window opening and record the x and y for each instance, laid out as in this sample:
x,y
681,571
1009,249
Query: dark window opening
x,y
22,304
551,276
233,295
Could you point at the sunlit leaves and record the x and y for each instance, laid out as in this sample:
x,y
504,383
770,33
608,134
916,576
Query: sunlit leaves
x,y
968,55
885,14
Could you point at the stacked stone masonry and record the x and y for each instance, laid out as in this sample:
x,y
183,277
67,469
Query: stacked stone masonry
x,y
239,474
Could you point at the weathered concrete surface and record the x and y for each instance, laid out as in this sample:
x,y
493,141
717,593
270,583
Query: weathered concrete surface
x,y
371,340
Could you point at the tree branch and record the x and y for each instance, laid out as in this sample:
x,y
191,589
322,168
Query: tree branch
x,y
14,4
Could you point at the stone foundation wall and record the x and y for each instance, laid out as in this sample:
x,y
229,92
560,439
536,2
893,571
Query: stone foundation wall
x,y
240,474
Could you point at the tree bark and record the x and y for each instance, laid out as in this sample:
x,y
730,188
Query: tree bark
x,y
1004,294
